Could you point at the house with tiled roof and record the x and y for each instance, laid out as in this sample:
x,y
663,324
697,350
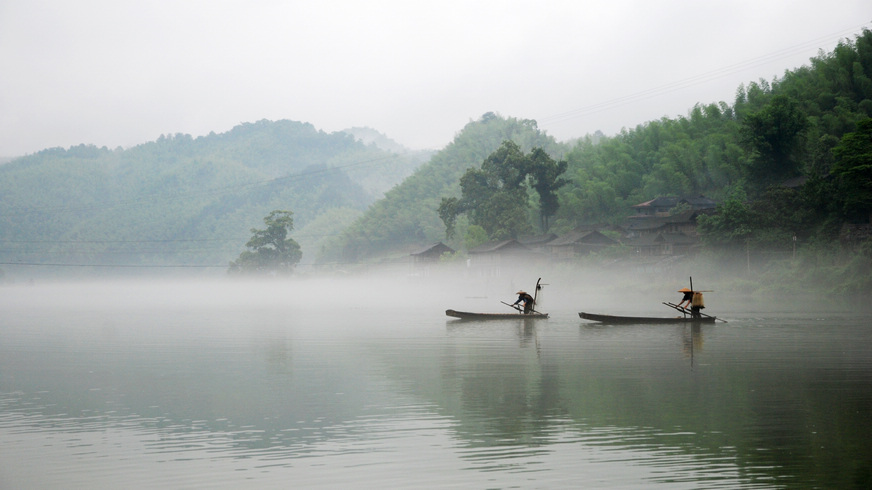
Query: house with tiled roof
x,y
430,253
578,243
537,243
662,206
656,229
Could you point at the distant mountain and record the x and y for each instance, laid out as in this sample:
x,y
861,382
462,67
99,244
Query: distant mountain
x,y
187,201
359,196
369,136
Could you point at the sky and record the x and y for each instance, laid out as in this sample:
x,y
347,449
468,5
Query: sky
x,y
120,73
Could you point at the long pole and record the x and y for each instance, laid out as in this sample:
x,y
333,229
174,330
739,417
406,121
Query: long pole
x,y
684,310
748,255
692,297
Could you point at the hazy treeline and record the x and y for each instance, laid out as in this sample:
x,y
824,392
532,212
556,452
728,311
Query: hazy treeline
x,y
408,214
194,200
789,161
184,200
796,127
772,132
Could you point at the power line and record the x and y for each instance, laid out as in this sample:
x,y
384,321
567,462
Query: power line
x,y
694,80
155,266
140,266
180,240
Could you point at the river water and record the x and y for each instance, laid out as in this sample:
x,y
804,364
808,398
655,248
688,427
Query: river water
x,y
336,386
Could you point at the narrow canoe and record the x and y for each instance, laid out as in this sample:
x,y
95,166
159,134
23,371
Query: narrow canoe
x,y
466,315
641,319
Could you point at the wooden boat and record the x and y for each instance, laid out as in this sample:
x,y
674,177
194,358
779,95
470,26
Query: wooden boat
x,y
642,320
466,315
518,315
685,317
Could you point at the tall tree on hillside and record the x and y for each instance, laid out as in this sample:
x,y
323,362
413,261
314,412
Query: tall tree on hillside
x,y
771,134
545,178
853,169
495,197
271,251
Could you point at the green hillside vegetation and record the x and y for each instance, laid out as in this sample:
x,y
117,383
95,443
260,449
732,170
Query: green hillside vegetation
x,y
772,132
183,200
194,200
408,217
801,126
807,126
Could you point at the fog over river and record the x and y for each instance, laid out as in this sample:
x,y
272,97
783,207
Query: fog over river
x,y
364,382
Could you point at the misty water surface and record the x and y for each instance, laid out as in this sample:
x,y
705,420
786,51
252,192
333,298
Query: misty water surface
x,y
367,383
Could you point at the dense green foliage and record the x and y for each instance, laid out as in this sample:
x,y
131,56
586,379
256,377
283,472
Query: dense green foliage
x,y
495,196
270,250
853,169
184,200
408,214
772,132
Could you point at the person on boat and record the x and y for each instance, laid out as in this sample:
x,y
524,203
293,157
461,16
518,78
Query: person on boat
x,y
696,305
525,298
687,299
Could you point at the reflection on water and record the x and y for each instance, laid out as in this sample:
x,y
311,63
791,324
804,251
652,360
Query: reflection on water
x,y
167,395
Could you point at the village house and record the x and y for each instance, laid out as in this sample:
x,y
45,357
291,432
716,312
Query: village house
x,y
662,206
663,244
684,222
537,243
653,232
431,253
578,243
656,231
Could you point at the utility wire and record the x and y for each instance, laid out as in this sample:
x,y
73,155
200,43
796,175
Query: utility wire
x,y
141,266
192,240
694,80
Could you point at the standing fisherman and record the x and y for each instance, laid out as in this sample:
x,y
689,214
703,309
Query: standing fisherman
x,y
688,298
528,301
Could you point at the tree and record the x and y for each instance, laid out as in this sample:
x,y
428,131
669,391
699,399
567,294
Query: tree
x,y
771,133
853,170
731,226
448,211
545,173
271,251
495,198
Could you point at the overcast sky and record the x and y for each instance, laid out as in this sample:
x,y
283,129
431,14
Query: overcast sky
x,y
119,73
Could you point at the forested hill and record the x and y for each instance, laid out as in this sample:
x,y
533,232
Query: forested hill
x,y
187,201
790,129
406,217
192,201
796,127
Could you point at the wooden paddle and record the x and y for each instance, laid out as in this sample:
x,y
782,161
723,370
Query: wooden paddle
x,y
519,308
685,310
516,307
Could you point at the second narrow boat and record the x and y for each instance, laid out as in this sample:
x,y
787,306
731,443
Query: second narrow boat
x,y
642,319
